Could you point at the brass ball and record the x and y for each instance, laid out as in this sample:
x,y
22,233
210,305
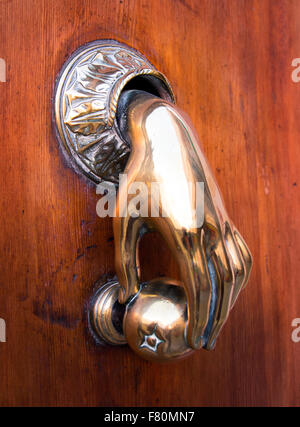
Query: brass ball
x,y
155,321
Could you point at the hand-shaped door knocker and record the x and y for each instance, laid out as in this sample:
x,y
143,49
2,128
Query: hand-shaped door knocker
x,y
116,117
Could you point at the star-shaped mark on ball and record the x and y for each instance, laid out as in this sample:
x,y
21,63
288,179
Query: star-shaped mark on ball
x,y
151,342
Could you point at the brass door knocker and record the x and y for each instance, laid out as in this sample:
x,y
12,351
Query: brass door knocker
x,y
116,114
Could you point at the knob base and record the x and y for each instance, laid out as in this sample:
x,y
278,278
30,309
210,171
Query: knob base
x,y
106,314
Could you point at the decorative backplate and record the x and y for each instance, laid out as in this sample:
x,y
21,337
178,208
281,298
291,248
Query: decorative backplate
x,y
86,97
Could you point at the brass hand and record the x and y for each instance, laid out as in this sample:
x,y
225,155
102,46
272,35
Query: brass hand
x,y
213,258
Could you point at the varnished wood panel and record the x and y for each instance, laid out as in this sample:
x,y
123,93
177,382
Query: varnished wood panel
x,y
229,63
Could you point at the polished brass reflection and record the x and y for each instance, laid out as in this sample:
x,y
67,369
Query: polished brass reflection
x,y
213,259
103,313
155,321
85,103
111,104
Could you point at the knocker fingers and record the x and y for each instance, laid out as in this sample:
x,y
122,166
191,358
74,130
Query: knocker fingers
x,y
232,263
225,282
198,288
246,255
238,263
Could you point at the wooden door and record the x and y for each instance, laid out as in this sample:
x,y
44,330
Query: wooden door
x,y
229,62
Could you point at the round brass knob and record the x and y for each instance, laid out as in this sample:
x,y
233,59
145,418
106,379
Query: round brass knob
x,y
155,321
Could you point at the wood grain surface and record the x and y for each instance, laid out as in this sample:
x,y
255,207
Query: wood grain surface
x,y
229,63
